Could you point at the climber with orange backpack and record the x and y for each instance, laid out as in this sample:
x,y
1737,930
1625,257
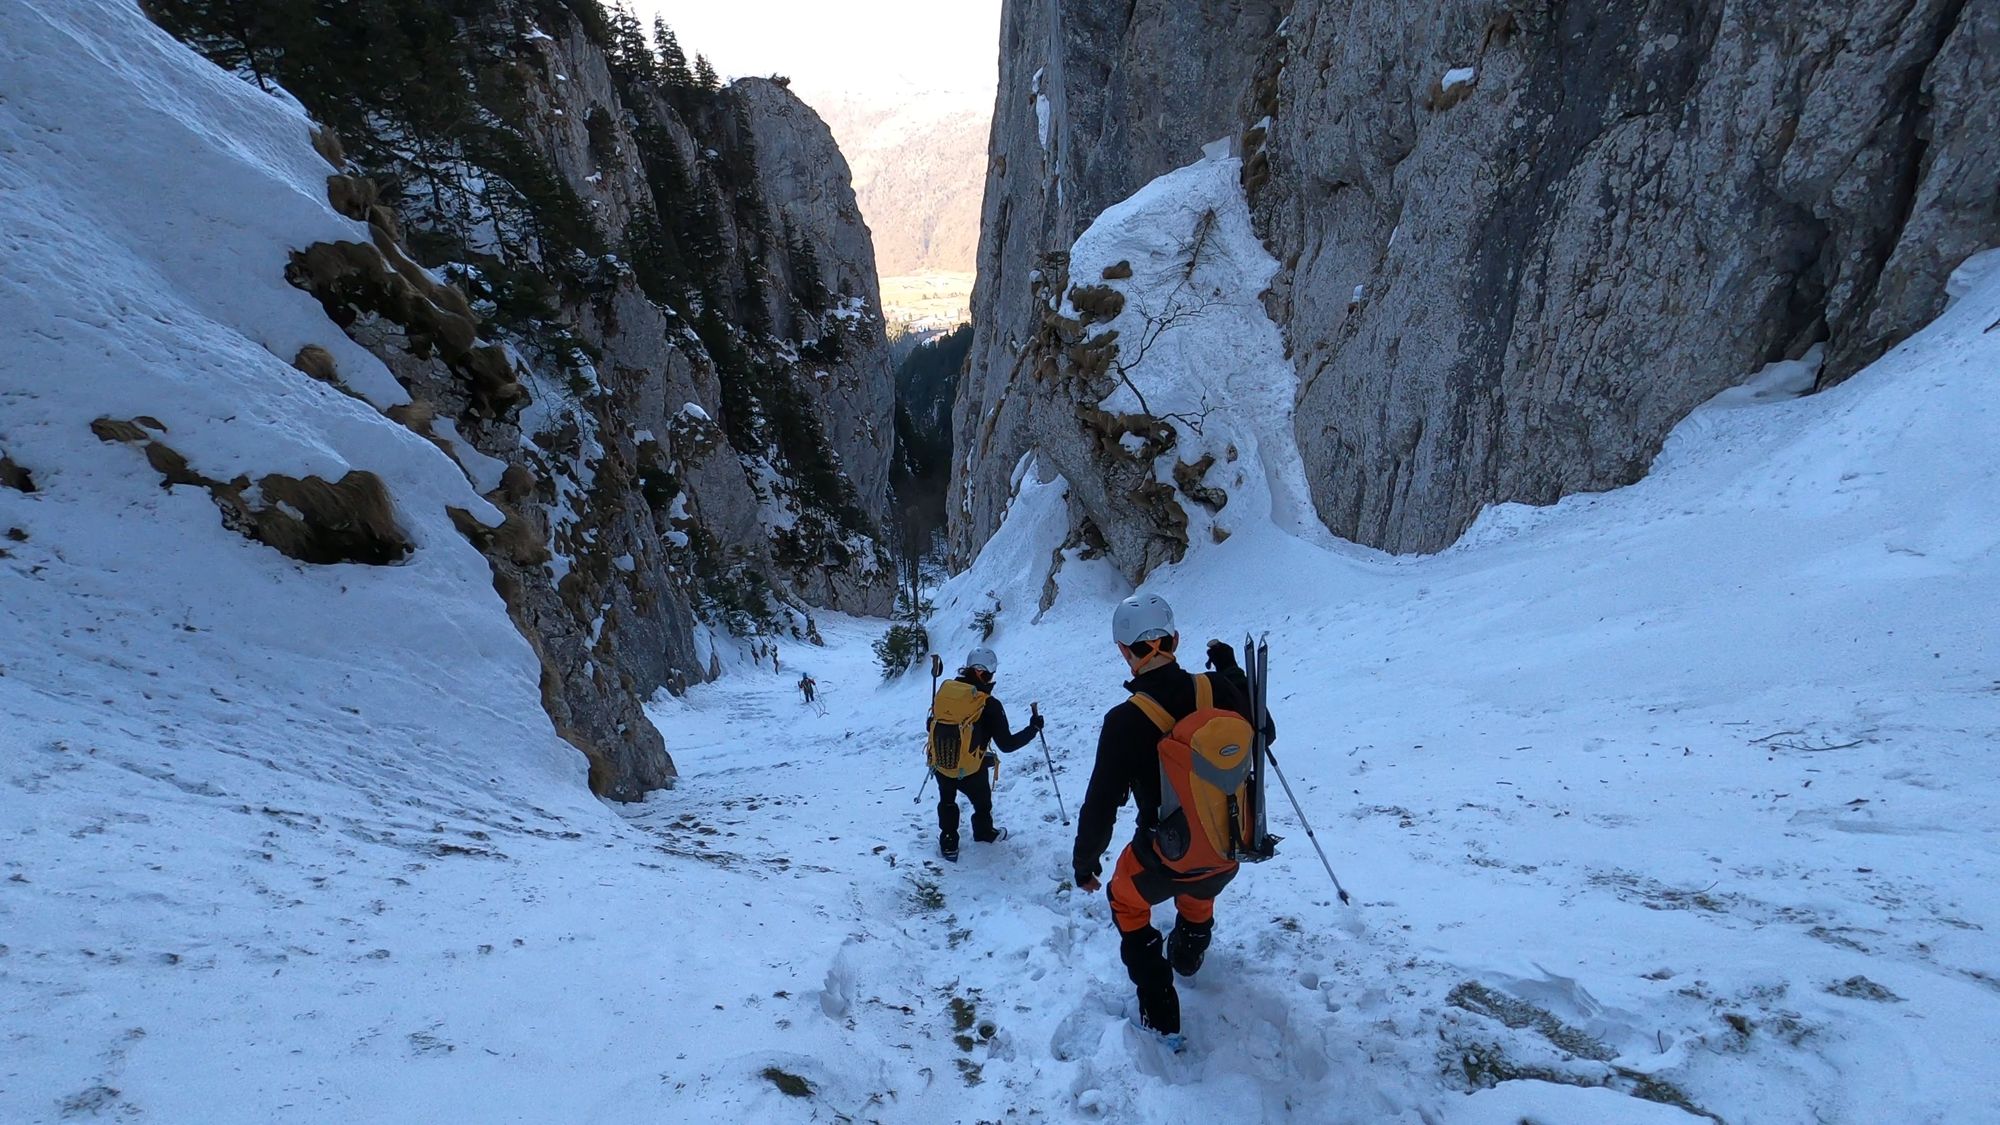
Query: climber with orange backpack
x,y
1185,748
965,720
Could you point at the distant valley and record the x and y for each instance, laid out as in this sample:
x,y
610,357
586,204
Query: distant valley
x,y
919,165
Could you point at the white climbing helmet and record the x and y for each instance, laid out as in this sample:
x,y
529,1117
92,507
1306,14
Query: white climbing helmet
x,y
1142,617
983,657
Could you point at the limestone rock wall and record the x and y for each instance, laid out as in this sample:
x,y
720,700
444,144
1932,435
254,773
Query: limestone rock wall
x,y
1519,239
1511,288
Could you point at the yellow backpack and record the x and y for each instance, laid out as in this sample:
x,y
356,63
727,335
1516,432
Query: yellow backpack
x,y
954,713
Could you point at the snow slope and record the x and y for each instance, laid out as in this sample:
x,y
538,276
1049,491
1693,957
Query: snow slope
x,y
1590,773
1696,777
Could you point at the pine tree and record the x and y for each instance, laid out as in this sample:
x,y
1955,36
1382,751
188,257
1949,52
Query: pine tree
x,y
673,61
807,286
630,50
705,78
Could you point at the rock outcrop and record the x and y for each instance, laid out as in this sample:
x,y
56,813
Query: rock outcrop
x,y
1095,100
641,314
1519,241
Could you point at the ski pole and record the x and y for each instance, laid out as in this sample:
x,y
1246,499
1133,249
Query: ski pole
x,y
1344,900
1036,709
937,669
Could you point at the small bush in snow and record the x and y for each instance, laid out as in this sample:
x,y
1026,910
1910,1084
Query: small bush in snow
x,y
901,648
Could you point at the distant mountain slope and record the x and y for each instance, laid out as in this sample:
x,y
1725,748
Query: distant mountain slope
x,y
919,164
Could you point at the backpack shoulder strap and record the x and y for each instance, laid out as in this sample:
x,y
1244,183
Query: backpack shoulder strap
x,y
1204,693
1159,715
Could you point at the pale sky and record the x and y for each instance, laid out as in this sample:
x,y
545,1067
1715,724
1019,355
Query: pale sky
x,y
843,46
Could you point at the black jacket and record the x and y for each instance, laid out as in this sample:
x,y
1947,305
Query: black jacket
x,y
1128,756
991,726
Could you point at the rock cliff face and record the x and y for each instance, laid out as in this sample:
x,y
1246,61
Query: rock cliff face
x,y
641,313
1518,240
810,196
1512,287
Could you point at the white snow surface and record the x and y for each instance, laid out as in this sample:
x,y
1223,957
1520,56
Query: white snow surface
x,y
1042,108
283,843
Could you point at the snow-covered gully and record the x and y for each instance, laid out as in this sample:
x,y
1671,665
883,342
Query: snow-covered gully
x,y
1670,803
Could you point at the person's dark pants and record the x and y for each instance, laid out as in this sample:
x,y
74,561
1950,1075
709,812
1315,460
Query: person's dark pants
x,y
1134,889
979,791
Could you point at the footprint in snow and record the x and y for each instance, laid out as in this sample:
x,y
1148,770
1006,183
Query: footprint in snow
x,y
1152,1057
1078,1035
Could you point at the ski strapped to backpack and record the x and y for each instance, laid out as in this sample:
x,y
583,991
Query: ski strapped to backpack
x,y
1209,814
1257,677
955,711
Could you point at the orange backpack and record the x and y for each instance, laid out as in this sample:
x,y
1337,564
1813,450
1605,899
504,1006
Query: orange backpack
x,y
1207,820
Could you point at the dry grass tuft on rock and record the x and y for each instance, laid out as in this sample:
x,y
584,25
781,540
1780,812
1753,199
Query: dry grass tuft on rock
x,y
1189,476
352,196
118,430
516,539
318,363
351,278
351,520
327,143
1097,302
1443,97
14,476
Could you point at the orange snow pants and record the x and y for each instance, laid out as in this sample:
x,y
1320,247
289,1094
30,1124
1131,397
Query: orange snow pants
x,y
1135,889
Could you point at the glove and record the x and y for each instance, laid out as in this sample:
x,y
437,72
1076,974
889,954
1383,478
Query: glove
x,y
990,761
1035,723
1221,658
1087,873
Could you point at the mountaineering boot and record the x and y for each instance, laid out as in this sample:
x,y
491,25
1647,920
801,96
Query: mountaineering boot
x,y
1159,1004
948,848
998,835
1188,944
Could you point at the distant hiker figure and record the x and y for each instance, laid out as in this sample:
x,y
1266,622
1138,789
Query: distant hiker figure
x,y
1188,732
808,688
966,719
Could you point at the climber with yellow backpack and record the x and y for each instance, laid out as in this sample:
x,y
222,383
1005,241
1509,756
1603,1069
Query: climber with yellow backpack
x,y
1185,748
966,720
